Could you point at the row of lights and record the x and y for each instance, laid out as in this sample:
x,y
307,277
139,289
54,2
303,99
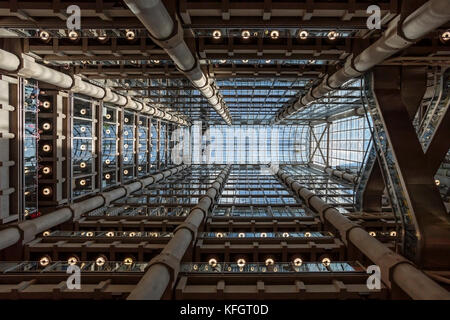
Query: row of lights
x,y
275,34
241,262
267,61
73,260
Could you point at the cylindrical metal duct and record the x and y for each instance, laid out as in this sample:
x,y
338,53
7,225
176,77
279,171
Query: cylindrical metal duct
x,y
88,89
8,61
42,73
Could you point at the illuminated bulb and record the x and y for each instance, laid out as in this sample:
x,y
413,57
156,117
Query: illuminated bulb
x,y
44,35
110,234
156,61
130,34
46,170
89,234
195,267
311,61
326,262
83,111
241,235
125,159
125,133
373,233
445,36
83,129
132,234
125,120
46,233
72,260
46,148
44,261
46,104
274,34
217,34
83,165
139,122
332,35
212,262
303,34
268,61
285,235
108,116
437,182
102,37
82,182
393,233
245,61
245,34
83,147
107,161
46,126
263,235
139,168
128,261
108,131
125,146
46,191
100,261
219,235
125,171
298,262
241,262
223,61
107,176
269,262
73,35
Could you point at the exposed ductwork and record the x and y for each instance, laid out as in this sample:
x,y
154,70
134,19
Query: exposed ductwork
x,y
397,37
169,35
28,68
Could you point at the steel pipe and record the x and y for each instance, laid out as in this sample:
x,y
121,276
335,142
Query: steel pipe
x,y
394,268
9,61
425,19
164,268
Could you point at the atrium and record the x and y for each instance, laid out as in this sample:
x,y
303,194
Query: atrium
x,y
225,150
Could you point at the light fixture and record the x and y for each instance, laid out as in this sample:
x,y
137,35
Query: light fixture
x,y
125,171
223,61
311,61
82,182
47,191
241,235
46,104
128,261
46,170
72,260
83,129
100,261
44,261
217,34
303,34
110,234
107,176
393,233
298,262
83,111
373,233
245,34
73,35
125,120
107,131
332,35
102,36
125,146
46,148
241,262
245,61
83,147
83,165
263,235
107,161
108,116
307,234
268,61
219,235
285,235
46,233
46,126
212,262
445,36
44,35
130,34
269,262
437,182
139,168
274,34
326,262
